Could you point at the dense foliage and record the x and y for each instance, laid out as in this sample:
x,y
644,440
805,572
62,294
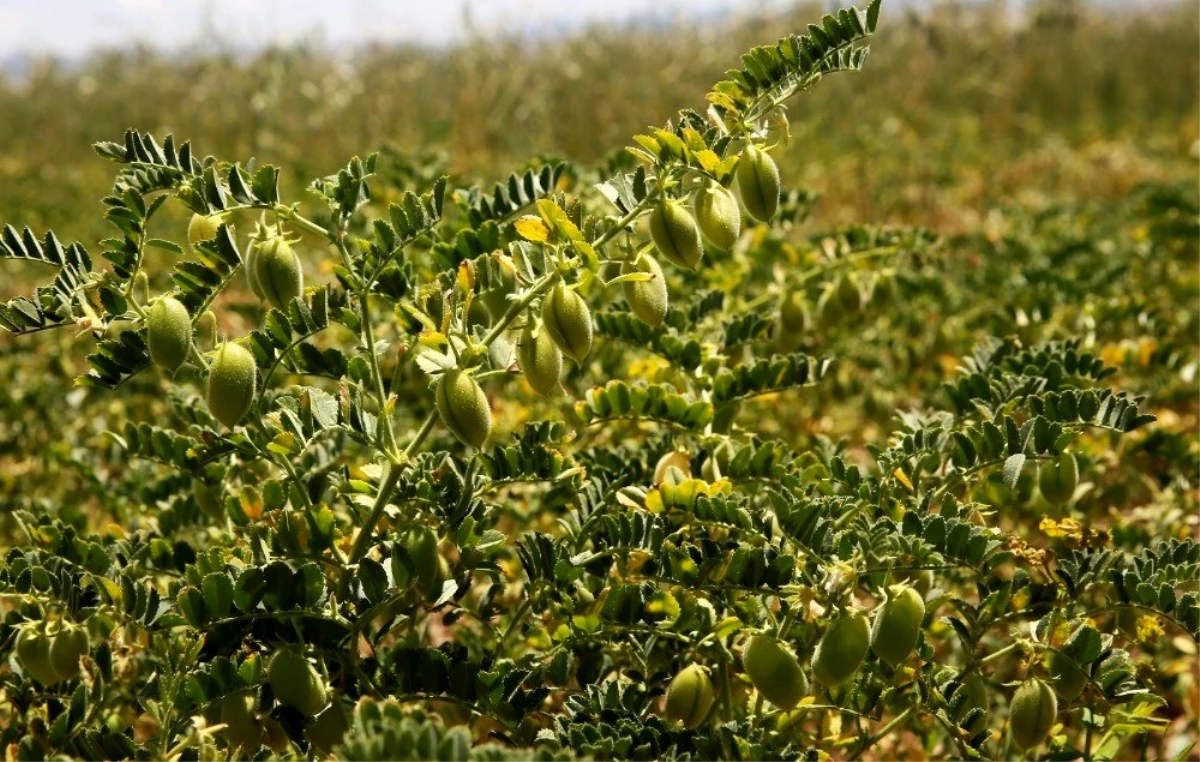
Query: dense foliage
x,y
590,464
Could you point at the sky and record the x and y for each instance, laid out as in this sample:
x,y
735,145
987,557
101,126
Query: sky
x,y
74,27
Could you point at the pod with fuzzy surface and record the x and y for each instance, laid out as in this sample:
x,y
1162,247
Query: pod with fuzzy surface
x,y
202,227
464,407
277,275
758,181
296,683
841,650
169,333
774,671
231,379
689,697
568,320
718,215
647,298
897,625
539,358
1032,713
676,234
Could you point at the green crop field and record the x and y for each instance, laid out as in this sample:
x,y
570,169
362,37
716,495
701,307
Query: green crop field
x,y
777,386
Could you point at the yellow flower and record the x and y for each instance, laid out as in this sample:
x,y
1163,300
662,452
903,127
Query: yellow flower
x,y
1148,628
647,368
1069,529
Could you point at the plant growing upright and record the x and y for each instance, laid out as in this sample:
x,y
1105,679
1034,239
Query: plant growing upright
x,y
363,537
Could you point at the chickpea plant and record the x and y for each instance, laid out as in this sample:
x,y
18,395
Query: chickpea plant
x,y
417,513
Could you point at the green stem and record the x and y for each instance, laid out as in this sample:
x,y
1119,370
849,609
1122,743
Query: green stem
x,y
727,690
196,357
874,738
362,542
960,477
295,477
786,624
1001,653
362,291
624,221
303,223
540,286
823,269
512,626
376,373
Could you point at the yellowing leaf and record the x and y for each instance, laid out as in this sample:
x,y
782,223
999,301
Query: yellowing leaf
x,y
506,262
672,143
531,228
708,160
663,604
557,219
726,627
466,276
694,140
648,143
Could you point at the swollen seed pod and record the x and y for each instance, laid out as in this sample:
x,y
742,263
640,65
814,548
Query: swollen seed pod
x,y
296,682
841,650
793,317
774,671
231,383
829,307
1032,713
897,625
169,333
421,546
793,321
758,181
67,645
277,271
539,358
676,234
33,651
567,319
689,697
464,407
647,298
848,294
719,216
204,227
1058,479
252,252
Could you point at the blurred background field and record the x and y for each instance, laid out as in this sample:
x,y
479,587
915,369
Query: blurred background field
x,y
965,105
